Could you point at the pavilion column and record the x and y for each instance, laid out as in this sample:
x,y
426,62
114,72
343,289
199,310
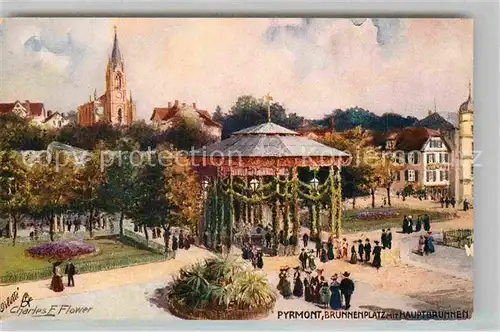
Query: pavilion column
x,y
338,190
295,205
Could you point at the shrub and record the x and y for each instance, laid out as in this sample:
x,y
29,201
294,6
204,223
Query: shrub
x,y
221,288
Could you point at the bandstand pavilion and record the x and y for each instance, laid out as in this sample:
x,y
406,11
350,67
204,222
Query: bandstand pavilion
x,y
252,178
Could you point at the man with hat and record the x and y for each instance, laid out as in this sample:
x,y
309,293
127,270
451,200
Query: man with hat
x,y
368,250
361,249
383,239
347,289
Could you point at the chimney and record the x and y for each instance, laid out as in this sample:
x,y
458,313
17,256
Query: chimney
x,y
169,104
49,113
176,103
194,105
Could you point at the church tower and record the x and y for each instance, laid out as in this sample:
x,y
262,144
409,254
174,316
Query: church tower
x,y
466,149
118,109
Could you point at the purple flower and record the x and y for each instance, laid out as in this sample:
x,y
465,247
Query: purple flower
x,y
61,249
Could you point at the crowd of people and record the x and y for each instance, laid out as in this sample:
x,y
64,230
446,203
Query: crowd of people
x,y
315,288
254,255
422,220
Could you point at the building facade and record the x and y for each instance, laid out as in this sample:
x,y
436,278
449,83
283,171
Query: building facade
x,y
34,111
163,118
466,149
115,106
426,159
55,120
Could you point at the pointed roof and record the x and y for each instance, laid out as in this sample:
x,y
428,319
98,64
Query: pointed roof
x,y
116,56
269,140
267,128
434,121
468,105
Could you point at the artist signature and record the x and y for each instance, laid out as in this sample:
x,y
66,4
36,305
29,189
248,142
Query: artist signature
x,y
10,300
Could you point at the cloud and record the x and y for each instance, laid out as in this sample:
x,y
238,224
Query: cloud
x,y
310,65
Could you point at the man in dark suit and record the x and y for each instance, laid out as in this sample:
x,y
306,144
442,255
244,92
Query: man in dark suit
x,y
347,288
70,271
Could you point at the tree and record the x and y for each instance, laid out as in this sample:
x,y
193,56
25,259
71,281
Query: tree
x,y
119,192
385,170
249,111
150,207
187,132
51,183
89,179
183,192
15,191
218,116
17,133
143,134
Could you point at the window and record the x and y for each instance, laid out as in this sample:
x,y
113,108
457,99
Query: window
x,y
411,175
431,158
436,143
443,157
443,175
119,115
471,170
396,176
412,157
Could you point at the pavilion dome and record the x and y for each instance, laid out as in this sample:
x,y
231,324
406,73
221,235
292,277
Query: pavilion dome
x,y
268,128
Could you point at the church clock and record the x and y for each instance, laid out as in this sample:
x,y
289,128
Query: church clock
x,y
119,95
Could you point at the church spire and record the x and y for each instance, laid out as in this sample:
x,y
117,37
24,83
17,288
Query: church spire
x,y
470,90
130,92
116,56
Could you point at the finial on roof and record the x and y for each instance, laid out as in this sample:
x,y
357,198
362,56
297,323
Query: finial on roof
x,y
115,28
470,90
435,109
268,98
130,92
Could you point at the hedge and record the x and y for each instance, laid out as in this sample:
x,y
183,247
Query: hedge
x,y
84,267
458,238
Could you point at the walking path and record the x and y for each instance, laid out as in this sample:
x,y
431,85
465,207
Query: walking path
x,y
396,285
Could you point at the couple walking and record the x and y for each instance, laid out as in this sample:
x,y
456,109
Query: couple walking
x,y
338,290
57,282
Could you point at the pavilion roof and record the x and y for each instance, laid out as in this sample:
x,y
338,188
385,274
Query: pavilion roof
x,y
268,140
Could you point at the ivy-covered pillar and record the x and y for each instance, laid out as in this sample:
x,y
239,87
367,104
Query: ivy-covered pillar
x,y
295,204
220,213
213,214
275,222
338,185
230,215
286,218
333,202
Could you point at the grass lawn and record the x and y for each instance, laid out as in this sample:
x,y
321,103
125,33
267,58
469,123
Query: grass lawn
x,y
13,259
352,224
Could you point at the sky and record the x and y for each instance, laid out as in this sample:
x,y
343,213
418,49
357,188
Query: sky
x,y
311,66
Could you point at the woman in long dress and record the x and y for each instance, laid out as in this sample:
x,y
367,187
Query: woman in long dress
x,y
430,244
338,249
298,287
377,261
57,282
317,290
260,261
330,254
354,257
325,294
335,298
421,245
345,247
311,258
308,288
323,257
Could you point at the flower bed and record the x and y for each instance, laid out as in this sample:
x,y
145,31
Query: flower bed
x,y
60,250
376,214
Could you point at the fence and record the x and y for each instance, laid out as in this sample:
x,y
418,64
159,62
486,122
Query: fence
x,y
151,245
458,238
84,267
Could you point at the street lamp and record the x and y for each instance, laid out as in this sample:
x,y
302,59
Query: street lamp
x,y
204,186
254,184
315,183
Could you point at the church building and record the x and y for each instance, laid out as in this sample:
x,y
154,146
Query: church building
x,y
114,106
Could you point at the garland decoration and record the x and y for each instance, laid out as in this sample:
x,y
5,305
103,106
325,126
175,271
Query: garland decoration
x,y
333,204
338,206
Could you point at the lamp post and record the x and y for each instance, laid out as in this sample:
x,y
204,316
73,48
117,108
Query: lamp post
x,y
254,184
201,236
315,183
